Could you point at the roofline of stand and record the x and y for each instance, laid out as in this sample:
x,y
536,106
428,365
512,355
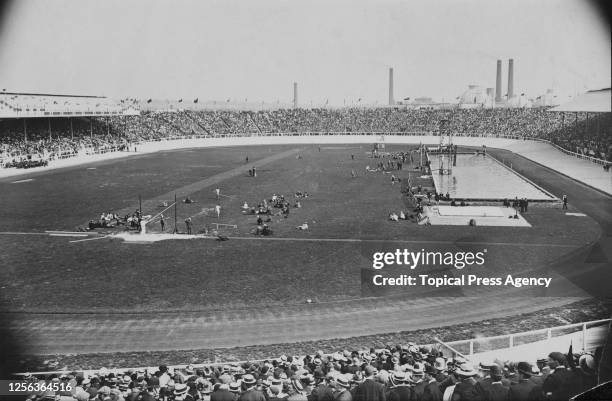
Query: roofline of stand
x,y
51,94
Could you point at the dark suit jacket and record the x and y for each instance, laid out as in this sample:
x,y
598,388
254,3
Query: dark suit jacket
x,y
369,390
556,383
484,385
524,390
433,392
418,390
448,381
538,380
323,392
344,395
252,395
400,393
466,390
496,392
221,395
440,377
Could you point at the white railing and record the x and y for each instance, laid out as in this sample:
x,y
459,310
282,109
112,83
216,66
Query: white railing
x,y
509,341
470,346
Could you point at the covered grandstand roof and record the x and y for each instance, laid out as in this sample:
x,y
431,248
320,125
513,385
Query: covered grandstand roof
x,y
33,105
595,101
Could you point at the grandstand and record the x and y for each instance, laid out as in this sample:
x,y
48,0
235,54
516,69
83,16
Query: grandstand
x,y
586,134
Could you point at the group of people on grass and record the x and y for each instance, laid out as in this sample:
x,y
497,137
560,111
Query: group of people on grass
x,y
264,211
113,220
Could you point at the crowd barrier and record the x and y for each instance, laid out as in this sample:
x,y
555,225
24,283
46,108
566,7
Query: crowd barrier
x,y
484,344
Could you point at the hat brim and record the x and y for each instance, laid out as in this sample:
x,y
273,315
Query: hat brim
x,y
466,373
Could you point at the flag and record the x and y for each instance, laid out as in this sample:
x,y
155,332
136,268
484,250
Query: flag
x,y
149,101
570,356
406,98
180,101
195,100
326,102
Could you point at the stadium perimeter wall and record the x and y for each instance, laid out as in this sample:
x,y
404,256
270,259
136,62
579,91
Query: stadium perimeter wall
x,y
543,153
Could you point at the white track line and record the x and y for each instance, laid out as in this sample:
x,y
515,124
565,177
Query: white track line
x,y
20,181
395,241
405,241
19,233
67,235
69,232
88,239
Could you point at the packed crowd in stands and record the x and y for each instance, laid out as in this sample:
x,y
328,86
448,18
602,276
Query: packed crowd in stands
x,y
45,139
396,373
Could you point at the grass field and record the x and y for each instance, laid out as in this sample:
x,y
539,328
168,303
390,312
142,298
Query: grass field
x,y
43,273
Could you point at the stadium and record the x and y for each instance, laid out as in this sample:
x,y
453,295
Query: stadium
x,y
417,250
149,159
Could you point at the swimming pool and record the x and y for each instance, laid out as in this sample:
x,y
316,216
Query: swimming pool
x,y
482,177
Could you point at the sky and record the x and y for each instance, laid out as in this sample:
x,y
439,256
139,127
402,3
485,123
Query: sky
x,y
337,51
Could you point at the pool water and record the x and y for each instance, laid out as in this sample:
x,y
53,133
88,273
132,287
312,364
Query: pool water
x,y
482,177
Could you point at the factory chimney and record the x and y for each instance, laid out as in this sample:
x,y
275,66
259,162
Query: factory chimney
x,y
391,101
510,79
295,96
498,82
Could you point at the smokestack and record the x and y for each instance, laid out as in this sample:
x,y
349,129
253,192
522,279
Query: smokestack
x,y
295,96
498,79
510,79
391,101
